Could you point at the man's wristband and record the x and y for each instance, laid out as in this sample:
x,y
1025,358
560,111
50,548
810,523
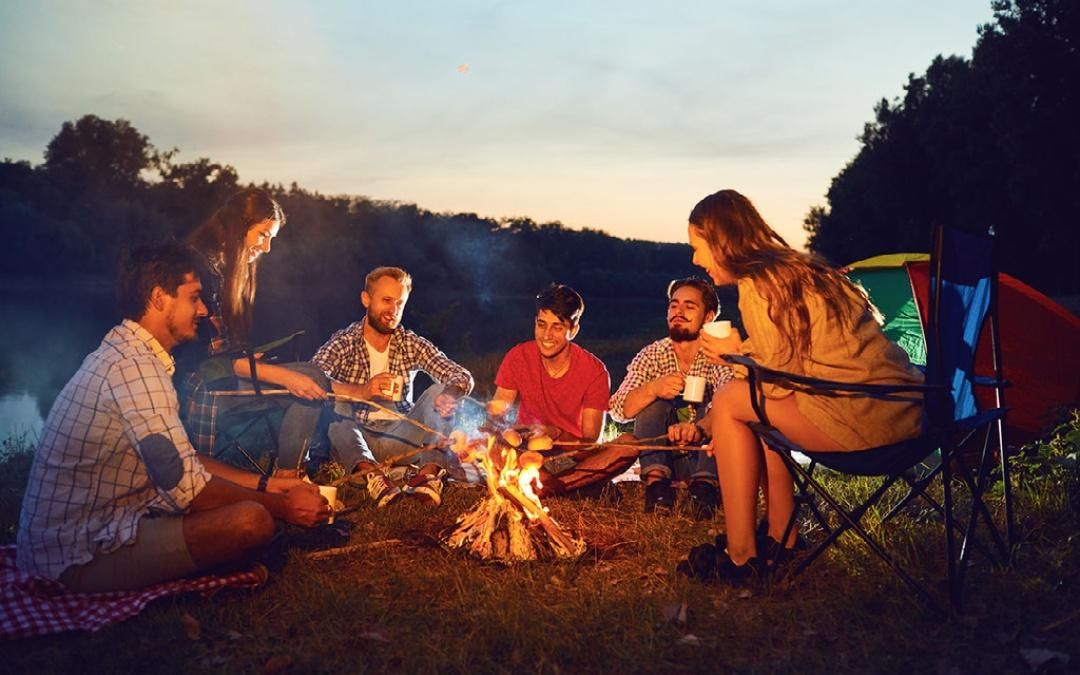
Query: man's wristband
x,y
701,430
263,480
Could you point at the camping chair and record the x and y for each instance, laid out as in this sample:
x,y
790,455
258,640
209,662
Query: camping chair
x,y
247,427
963,295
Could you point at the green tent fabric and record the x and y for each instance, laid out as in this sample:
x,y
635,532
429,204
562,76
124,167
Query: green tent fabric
x,y
890,291
1040,339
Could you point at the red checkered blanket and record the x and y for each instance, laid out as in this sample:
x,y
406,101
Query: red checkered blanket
x,y
32,606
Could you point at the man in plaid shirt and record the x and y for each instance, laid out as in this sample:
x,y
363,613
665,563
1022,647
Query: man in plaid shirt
x,y
117,499
651,397
376,358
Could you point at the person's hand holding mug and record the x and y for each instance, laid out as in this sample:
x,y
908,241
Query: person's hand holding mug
x,y
304,506
667,387
717,338
381,386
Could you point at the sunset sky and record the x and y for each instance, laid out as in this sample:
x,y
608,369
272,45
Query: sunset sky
x,y
612,115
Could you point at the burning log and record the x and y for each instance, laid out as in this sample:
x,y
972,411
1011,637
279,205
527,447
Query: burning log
x,y
510,524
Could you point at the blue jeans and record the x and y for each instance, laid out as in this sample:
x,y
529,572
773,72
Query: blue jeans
x,y
301,419
654,421
353,443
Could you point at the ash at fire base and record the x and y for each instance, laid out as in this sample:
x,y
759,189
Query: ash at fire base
x,y
510,524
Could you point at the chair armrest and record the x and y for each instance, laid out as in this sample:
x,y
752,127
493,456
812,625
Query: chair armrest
x,y
826,387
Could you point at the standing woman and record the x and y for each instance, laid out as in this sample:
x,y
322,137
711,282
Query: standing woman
x,y
802,317
233,240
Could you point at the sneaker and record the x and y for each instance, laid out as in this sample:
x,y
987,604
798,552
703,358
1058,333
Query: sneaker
x,y
704,498
659,494
427,486
709,564
381,490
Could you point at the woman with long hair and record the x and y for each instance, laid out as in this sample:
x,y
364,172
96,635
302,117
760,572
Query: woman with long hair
x,y
233,241
802,317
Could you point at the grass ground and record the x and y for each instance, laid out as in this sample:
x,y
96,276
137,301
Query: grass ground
x,y
405,604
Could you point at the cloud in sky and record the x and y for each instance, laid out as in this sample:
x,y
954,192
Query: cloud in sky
x,y
610,115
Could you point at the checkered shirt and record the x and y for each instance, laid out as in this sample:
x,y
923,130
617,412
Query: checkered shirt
x,y
344,358
200,412
89,483
658,359
199,409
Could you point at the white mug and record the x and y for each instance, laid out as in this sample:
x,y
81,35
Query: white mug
x,y
718,329
330,493
694,389
394,388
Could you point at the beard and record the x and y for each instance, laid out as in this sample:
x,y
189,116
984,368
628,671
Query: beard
x,y
680,334
181,331
379,325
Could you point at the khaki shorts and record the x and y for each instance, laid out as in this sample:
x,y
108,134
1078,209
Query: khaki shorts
x,y
159,553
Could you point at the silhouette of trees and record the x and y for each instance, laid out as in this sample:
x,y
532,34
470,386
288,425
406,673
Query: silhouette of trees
x,y
988,142
98,153
104,187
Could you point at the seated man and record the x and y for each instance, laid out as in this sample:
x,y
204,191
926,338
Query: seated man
x,y
117,499
563,388
651,396
376,358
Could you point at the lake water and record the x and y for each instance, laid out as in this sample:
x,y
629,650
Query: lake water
x,y
20,418
46,332
44,335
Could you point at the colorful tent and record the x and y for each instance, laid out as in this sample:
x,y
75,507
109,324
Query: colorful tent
x,y
1040,339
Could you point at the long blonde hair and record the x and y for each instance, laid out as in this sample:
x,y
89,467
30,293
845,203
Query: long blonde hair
x,y
746,246
221,239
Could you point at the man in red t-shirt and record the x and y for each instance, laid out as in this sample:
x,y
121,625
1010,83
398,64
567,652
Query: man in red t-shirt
x,y
563,388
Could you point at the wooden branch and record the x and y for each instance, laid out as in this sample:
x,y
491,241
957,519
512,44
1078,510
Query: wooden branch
x,y
553,530
331,396
341,550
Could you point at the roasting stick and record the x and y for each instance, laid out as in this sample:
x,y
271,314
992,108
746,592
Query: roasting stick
x,y
335,397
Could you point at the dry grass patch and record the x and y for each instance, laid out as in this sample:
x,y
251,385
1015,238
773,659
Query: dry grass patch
x,y
402,602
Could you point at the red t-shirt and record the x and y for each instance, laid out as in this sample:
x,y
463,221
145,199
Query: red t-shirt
x,y
543,399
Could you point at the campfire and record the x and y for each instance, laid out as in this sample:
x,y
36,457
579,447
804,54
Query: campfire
x,y
510,524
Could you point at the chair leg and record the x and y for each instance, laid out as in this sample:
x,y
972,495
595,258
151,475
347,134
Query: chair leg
x,y
950,540
853,524
1006,481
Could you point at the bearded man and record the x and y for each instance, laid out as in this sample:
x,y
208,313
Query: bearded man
x,y
377,358
651,396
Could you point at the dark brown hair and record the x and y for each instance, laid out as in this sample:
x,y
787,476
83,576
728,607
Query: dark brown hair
x,y
147,267
562,301
221,239
708,293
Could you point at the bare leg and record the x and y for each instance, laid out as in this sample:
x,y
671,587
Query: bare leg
x,y
738,467
739,462
227,533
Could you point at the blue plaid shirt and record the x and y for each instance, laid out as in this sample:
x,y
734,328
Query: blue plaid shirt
x,y
89,484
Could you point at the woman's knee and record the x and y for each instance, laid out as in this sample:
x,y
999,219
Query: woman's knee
x,y
731,399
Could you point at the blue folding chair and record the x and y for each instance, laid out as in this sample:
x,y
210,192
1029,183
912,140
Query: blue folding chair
x,y
963,296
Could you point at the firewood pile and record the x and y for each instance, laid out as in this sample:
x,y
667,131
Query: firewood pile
x,y
510,524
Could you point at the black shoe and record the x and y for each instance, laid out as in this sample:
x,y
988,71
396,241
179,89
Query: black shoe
x,y
700,564
704,498
709,564
659,495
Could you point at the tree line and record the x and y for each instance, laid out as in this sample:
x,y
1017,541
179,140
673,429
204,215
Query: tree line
x,y
104,187
987,142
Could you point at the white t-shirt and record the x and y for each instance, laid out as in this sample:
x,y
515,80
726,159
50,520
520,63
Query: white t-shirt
x,y
380,363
